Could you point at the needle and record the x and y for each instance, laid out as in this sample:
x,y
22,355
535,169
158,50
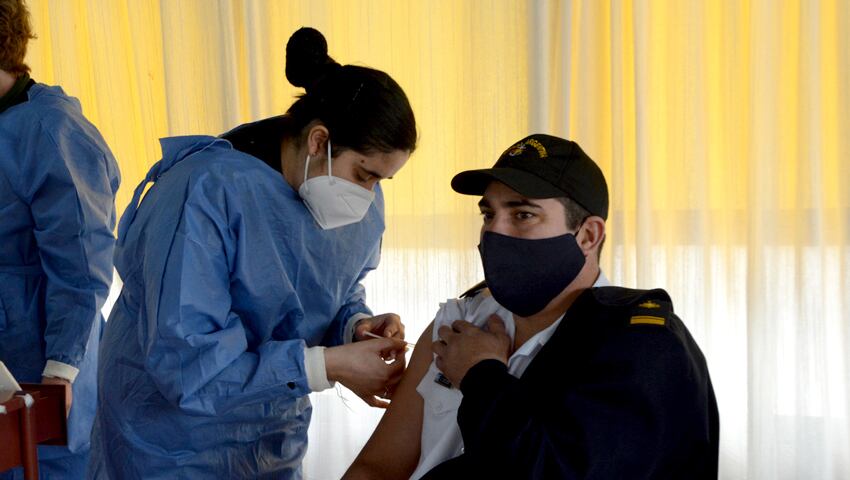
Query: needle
x,y
370,334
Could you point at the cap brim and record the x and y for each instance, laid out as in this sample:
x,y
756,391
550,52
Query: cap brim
x,y
474,182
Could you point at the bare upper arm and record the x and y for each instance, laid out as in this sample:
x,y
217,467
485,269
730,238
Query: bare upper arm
x,y
393,449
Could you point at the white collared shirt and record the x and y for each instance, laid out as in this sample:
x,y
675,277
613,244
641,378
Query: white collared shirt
x,y
441,438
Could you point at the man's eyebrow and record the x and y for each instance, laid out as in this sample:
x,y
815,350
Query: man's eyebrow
x,y
522,203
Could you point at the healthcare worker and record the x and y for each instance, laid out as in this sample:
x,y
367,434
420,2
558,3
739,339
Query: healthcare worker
x,y
242,281
57,212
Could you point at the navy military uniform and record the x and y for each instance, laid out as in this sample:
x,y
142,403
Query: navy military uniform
x,y
621,390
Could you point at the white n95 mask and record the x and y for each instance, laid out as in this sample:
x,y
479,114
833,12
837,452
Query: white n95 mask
x,y
333,201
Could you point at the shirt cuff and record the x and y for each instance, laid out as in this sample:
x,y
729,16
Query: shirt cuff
x,y
348,336
314,364
56,369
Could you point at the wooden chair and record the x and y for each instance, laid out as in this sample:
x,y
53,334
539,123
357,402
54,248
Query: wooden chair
x,y
33,416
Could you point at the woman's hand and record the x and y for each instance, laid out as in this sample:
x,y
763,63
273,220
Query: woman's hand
x,y
369,368
386,325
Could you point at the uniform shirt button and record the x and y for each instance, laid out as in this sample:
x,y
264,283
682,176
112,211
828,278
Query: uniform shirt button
x,y
291,385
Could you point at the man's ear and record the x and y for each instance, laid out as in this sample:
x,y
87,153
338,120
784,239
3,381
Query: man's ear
x,y
316,140
591,234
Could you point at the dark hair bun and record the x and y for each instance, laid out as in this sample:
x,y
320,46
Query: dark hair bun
x,y
307,58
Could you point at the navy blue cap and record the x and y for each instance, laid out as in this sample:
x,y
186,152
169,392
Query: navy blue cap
x,y
543,166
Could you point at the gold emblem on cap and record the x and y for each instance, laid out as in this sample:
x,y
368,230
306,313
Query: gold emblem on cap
x,y
520,147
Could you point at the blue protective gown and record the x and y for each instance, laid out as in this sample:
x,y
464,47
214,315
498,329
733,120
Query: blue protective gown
x,y
226,278
57,194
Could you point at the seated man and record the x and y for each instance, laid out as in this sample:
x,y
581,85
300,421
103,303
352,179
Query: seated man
x,y
549,372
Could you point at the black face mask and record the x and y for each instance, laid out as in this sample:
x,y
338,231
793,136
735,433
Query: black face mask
x,y
525,275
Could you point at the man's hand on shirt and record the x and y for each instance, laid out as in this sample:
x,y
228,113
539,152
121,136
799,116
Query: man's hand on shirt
x,y
463,345
68,395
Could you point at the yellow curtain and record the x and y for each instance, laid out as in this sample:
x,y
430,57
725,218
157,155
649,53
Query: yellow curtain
x,y
721,126
145,70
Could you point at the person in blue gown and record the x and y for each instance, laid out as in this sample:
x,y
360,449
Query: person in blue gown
x,y
57,204
242,259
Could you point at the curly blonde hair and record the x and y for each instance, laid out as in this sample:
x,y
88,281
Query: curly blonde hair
x,y
15,32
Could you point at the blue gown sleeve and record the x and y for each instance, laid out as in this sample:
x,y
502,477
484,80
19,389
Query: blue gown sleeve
x,y
355,302
196,343
72,202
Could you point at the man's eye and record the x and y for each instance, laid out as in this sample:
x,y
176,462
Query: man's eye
x,y
524,215
487,216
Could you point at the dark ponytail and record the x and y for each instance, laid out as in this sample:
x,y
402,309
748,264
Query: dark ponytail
x,y
363,109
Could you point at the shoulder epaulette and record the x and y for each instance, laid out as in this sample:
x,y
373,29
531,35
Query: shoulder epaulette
x,y
475,290
643,307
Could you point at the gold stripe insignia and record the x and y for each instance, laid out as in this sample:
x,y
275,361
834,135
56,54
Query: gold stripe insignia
x,y
647,320
649,304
